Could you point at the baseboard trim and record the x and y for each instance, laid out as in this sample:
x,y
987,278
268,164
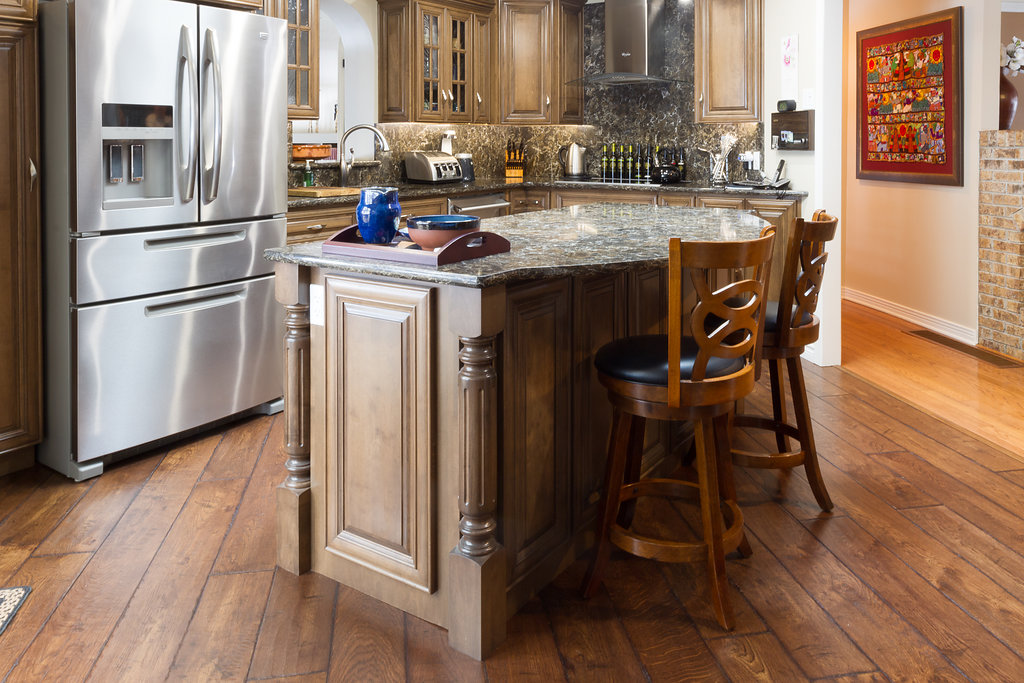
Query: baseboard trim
x,y
961,333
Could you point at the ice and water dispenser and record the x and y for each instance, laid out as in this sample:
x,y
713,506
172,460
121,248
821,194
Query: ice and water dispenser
x,y
138,152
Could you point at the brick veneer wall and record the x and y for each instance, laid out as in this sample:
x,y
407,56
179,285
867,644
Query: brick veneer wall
x,y
1001,243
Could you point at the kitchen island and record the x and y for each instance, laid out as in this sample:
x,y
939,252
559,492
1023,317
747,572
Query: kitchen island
x,y
445,428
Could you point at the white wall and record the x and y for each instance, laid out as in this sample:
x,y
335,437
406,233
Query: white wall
x,y
348,31
818,28
912,249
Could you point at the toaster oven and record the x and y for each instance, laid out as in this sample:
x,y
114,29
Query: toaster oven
x,y
432,167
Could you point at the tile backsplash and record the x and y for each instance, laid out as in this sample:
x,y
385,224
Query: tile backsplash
x,y
630,114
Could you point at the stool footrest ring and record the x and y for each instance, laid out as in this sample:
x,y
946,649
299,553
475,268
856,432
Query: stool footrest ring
x,y
770,460
673,551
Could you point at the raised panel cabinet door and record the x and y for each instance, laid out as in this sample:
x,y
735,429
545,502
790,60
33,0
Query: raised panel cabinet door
x,y
720,202
599,317
536,395
781,213
378,495
561,198
393,61
525,59
20,259
484,78
22,10
570,61
647,307
727,64
675,199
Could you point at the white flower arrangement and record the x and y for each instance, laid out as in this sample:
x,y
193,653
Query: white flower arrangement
x,y
1013,57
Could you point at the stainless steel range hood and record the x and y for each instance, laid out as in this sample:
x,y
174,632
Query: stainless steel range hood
x,y
634,43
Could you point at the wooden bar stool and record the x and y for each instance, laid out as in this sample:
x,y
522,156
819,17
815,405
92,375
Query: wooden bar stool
x,y
696,372
790,325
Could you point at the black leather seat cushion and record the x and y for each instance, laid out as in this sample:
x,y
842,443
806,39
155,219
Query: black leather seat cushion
x,y
771,316
644,360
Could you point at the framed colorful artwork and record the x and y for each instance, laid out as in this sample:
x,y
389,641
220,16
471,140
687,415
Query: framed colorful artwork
x,y
910,100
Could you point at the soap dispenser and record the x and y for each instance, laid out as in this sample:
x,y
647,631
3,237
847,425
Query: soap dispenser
x,y
307,175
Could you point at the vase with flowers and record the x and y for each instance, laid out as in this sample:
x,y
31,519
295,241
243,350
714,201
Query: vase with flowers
x,y
1012,64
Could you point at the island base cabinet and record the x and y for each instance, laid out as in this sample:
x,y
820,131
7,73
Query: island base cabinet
x,y
458,436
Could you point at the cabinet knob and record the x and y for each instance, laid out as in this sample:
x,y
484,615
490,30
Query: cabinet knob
x,y
32,174
479,99
547,101
444,95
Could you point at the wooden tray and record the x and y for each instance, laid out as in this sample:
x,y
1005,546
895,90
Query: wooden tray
x,y
469,246
322,191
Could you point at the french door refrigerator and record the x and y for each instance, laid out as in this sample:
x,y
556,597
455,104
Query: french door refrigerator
x,y
164,179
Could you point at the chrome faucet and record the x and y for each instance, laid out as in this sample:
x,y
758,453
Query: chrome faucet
x,y
346,163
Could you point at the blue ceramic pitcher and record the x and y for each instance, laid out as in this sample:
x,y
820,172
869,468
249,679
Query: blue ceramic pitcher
x,y
377,214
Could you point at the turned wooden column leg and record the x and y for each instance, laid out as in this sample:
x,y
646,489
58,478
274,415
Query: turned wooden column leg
x,y
477,570
293,495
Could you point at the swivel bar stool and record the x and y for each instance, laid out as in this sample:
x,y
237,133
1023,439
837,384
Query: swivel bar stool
x,y
697,372
790,325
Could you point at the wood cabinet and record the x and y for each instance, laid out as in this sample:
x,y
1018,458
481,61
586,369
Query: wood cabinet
x,y
317,224
560,198
19,10
20,256
378,355
522,200
779,212
438,80
537,397
727,64
599,317
303,17
675,199
540,53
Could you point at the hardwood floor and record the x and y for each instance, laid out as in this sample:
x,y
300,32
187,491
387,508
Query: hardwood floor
x,y
163,569
974,394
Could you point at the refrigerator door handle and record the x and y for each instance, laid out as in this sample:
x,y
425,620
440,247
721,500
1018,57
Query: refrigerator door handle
x,y
187,146
211,168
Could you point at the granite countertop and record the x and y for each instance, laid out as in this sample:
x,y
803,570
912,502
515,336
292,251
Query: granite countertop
x,y
575,240
485,185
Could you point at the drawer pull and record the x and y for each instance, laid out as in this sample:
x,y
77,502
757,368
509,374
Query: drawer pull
x,y
191,305
194,241
317,226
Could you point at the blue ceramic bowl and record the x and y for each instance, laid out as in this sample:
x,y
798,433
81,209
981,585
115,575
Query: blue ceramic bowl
x,y
431,232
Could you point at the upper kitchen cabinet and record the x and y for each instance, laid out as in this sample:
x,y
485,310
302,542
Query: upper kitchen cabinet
x,y
20,266
21,10
727,68
540,54
303,18
435,61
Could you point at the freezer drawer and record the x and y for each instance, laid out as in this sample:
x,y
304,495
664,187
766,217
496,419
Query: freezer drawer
x,y
123,265
153,367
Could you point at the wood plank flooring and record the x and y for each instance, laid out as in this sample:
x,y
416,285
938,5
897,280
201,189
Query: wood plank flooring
x,y
978,396
163,568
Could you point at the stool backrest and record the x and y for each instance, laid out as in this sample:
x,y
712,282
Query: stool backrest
x,y
726,321
804,270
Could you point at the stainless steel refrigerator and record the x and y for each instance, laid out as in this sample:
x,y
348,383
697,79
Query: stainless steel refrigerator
x,y
164,179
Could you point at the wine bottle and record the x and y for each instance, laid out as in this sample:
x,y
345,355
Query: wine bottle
x,y
604,161
629,165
